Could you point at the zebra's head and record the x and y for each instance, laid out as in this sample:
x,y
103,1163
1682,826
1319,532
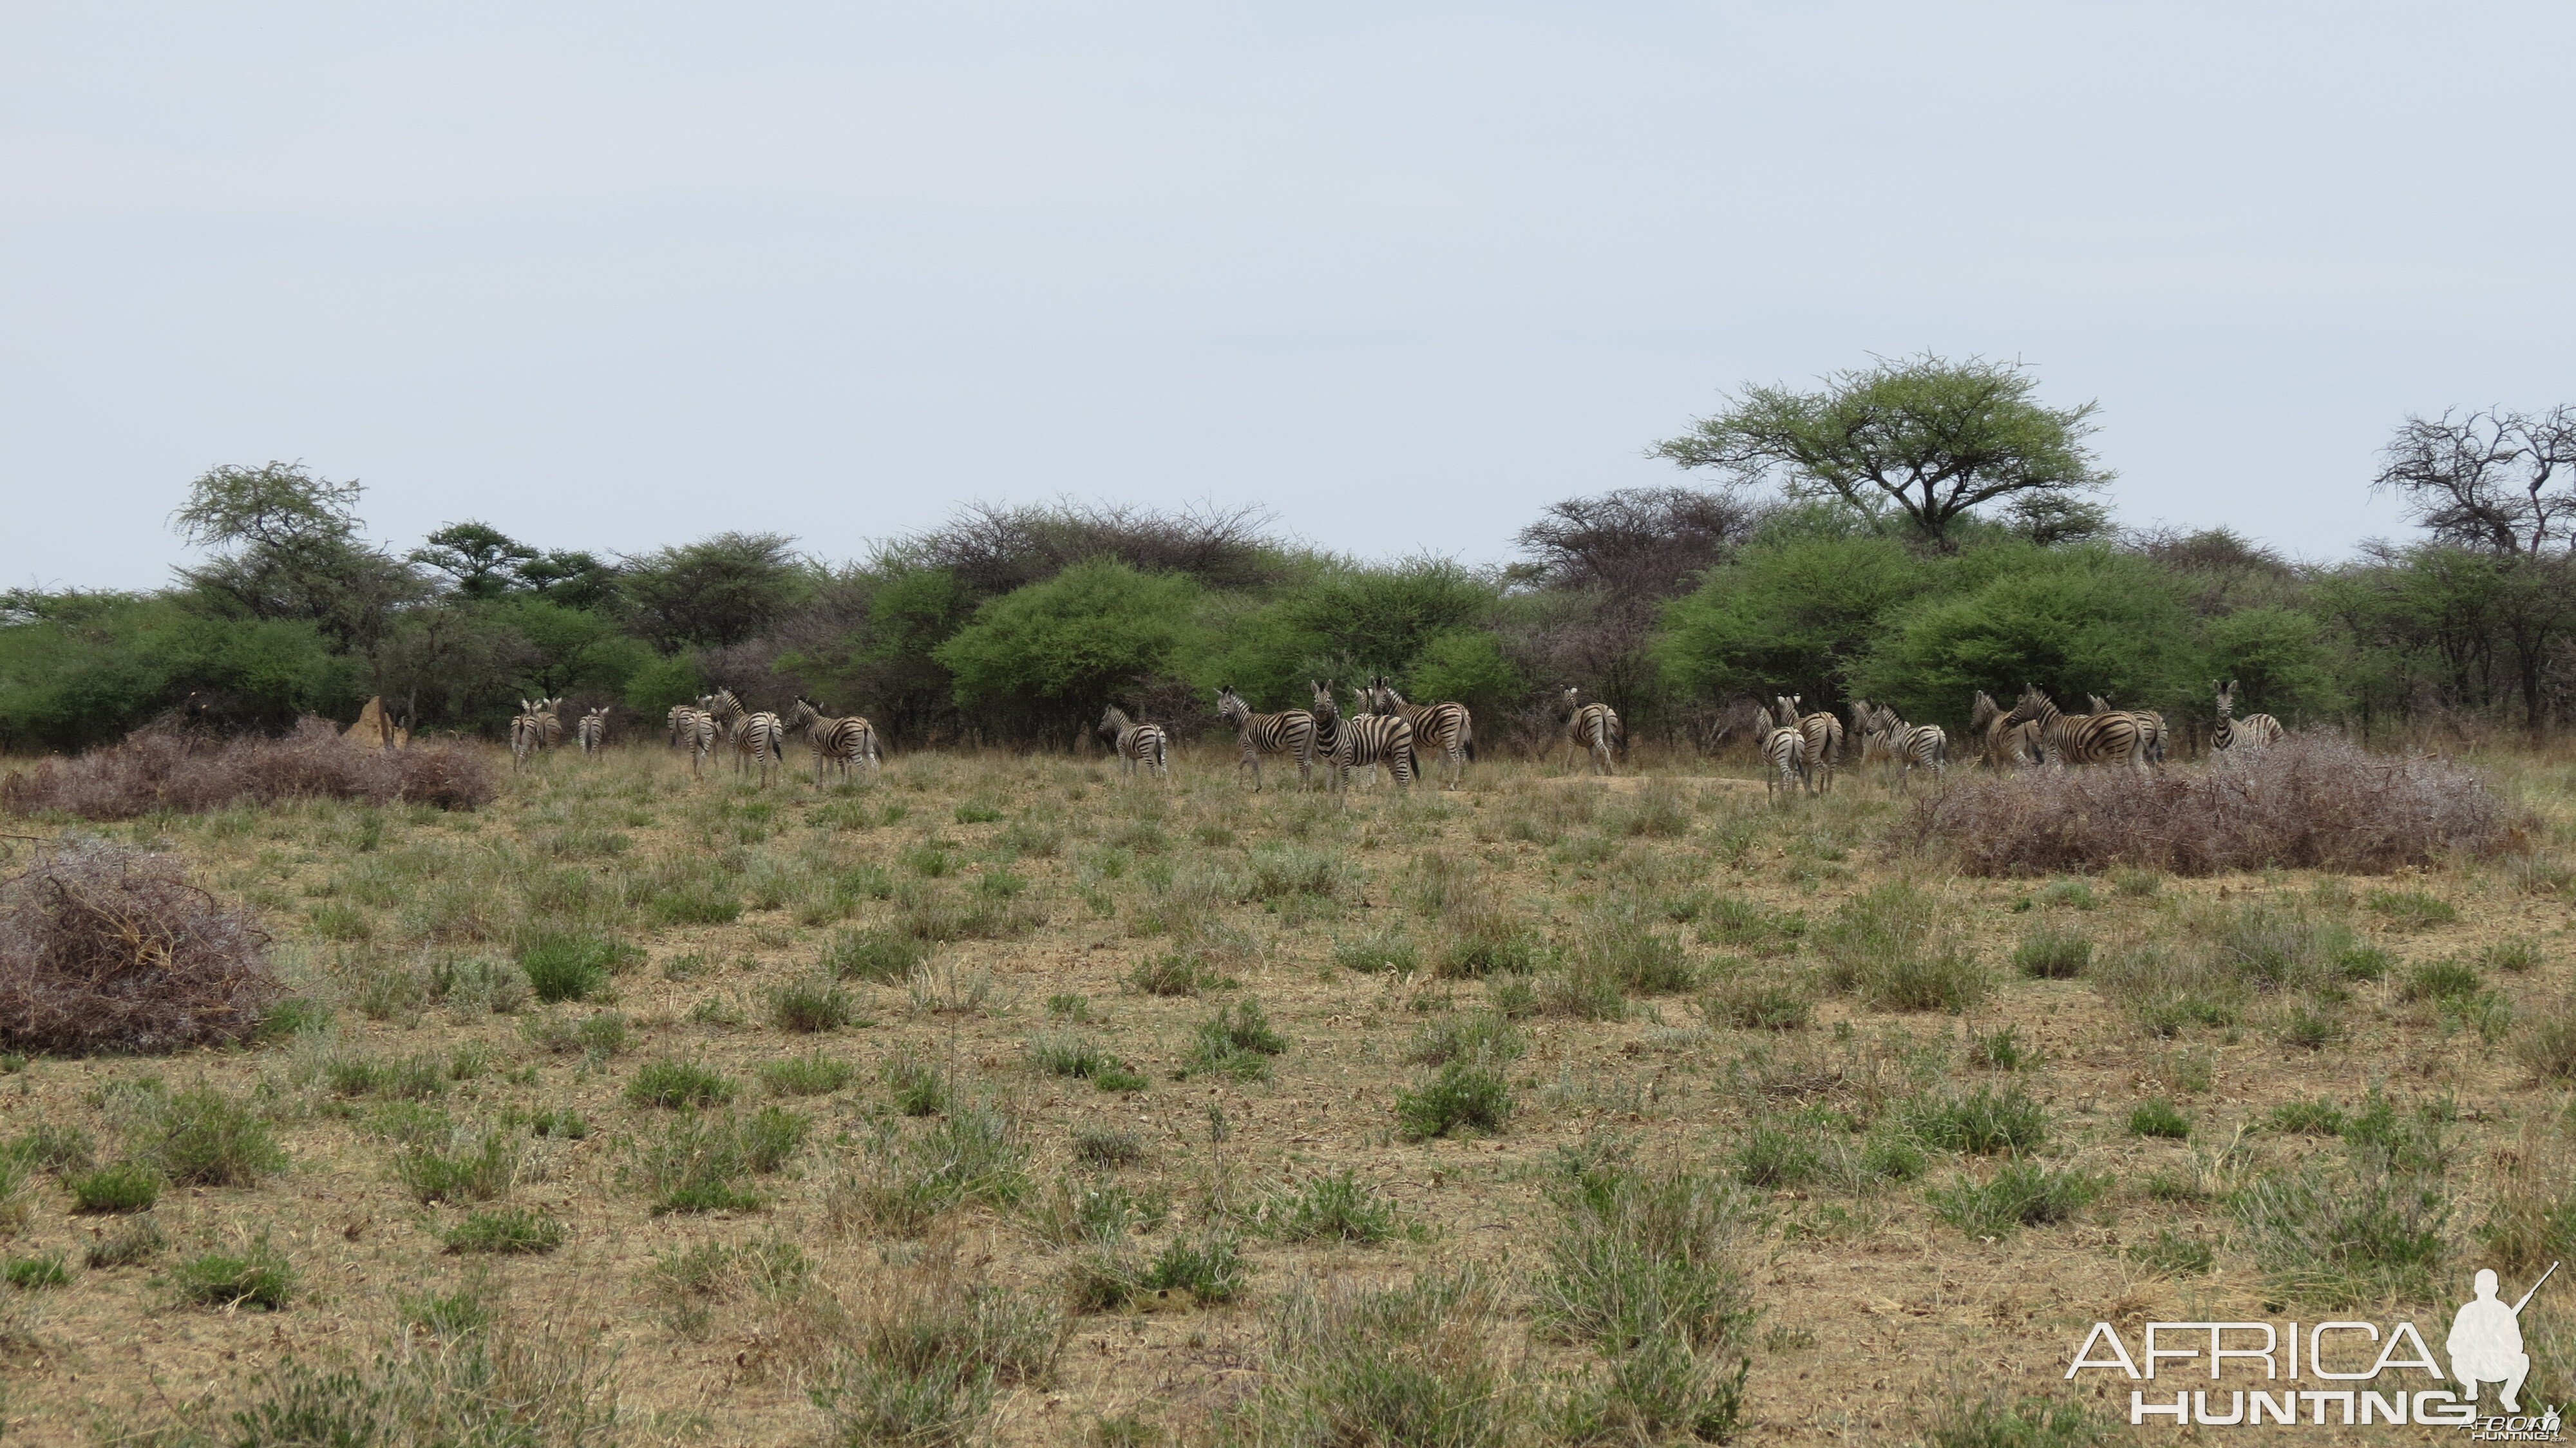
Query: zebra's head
x,y
1230,706
1325,707
2227,698
2034,704
1113,720
1568,697
1983,711
599,713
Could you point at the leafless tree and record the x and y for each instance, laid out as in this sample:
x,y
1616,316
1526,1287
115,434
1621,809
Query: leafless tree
x,y
2494,480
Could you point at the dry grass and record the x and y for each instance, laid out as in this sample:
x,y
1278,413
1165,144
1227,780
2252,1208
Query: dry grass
x,y
902,1210
2315,802
154,773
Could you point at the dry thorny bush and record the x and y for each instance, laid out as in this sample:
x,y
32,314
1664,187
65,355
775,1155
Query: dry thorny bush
x,y
102,948
164,771
2316,801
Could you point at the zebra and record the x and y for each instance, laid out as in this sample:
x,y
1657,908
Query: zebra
x,y
726,712
534,728
1367,740
760,738
1907,747
2006,745
2254,731
593,730
1290,732
1138,744
1328,726
1784,749
1593,728
2066,740
697,728
1446,727
2154,721
839,741
1824,734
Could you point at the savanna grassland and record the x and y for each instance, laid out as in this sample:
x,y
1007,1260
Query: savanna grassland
x,y
1005,1095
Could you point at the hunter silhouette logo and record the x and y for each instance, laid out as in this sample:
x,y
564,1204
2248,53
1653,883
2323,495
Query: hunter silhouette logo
x,y
2486,1341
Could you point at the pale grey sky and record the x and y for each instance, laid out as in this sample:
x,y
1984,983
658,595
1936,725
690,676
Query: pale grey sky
x,y
613,276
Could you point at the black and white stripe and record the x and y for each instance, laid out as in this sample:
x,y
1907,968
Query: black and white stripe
x,y
697,729
2254,731
1824,735
2005,745
1445,728
1784,753
593,730
2153,722
2067,740
1904,747
1139,745
1366,741
1592,728
760,739
1290,732
839,742
534,728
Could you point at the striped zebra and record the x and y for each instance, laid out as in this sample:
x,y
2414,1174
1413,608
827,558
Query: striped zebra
x,y
695,728
1784,750
2254,731
1593,728
2067,740
1824,735
533,729
841,742
2005,745
2154,721
760,739
593,730
1907,747
1138,744
1366,741
1446,727
727,713
1290,732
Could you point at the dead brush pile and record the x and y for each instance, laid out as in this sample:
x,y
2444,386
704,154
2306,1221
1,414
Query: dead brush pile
x,y
155,771
2315,801
106,949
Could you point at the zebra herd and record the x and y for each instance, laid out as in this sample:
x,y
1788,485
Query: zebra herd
x,y
758,738
1801,751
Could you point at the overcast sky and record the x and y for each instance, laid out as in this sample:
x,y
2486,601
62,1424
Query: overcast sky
x,y
624,275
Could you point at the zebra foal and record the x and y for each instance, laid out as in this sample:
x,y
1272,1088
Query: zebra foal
x,y
2254,731
534,728
2067,740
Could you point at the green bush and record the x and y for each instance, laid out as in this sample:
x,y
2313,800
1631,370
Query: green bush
x,y
1890,948
1986,1122
507,1231
1237,1042
700,1162
674,1084
125,1186
697,902
1408,1365
2547,1045
2053,953
1462,1094
52,1148
2172,1252
1209,1268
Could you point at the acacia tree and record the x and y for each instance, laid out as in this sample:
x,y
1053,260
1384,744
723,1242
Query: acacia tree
x,y
2499,485
1930,438
2496,481
293,551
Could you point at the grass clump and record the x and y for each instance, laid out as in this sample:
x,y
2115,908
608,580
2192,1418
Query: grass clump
x,y
2411,909
1237,1042
811,1007
571,967
36,1273
2021,1193
138,1240
1985,1122
1412,1365
1996,1420
699,1162
2440,980
1745,1002
1463,1094
471,1165
1486,1036
927,1353
2546,1046
880,955
257,1276
202,1137
906,1178
2159,1118
1335,1208
2174,1253
506,1231
1890,948
2053,953
1641,1267
125,1186
677,1084
918,1086
1172,973
814,1075
1096,1146
1386,951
